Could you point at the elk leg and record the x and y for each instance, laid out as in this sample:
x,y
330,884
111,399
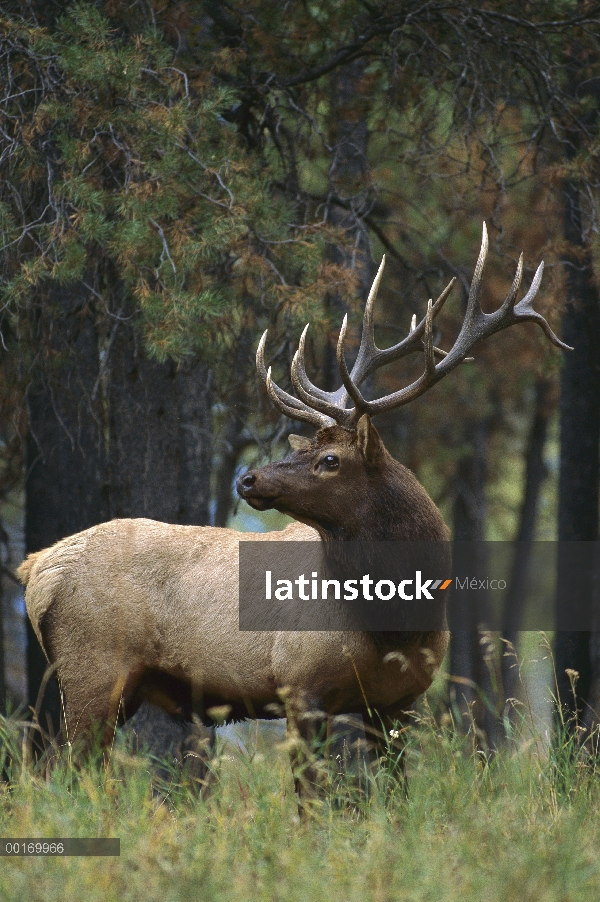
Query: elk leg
x,y
386,739
197,748
347,748
306,729
89,706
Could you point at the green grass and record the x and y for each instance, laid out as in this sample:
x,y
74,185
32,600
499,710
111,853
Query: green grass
x,y
524,825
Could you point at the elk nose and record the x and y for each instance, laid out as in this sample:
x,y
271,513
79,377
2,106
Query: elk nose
x,y
247,481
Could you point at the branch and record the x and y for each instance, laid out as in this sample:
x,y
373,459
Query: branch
x,y
341,57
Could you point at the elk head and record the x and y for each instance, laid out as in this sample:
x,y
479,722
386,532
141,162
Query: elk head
x,y
331,478
327,481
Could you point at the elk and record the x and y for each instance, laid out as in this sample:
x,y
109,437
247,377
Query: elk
x,y
135,609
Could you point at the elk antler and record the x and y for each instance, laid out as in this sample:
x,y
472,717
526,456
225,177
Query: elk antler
x,y
322,408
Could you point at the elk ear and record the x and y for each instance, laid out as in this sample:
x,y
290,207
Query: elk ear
x,y
369,442
299,442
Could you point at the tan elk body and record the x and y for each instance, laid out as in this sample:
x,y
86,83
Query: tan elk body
x,y
135,609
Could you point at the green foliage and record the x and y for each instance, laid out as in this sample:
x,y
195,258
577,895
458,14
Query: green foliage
x,y
147,185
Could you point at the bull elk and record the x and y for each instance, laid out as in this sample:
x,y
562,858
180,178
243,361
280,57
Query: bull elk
x,y
135,609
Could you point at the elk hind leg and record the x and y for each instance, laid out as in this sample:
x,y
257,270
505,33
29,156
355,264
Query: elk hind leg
x,y
91,709
197,748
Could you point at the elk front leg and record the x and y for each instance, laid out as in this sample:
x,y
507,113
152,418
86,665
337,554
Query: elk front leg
x,y
306,728
347,750
386,739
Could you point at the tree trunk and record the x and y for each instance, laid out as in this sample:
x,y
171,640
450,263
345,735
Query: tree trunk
x,y
159,457
579,405
65,459
238,404
579,454
159,419
471,653
143,451
535,473
349,186
3,541
193,386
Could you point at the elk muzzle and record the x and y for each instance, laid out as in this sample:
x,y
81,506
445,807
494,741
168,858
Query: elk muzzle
x,y
252,489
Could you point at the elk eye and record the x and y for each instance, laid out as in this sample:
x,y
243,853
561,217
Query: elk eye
x,y
331,461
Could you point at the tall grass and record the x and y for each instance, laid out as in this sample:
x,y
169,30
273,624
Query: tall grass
x,y
523,824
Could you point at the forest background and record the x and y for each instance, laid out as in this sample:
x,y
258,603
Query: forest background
x,y
177,177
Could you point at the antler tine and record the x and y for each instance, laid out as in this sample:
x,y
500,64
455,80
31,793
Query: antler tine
x,y
367,340
303,413
332,412
351,387
285,402
367,351
509,303
324,408
477,325
260,356
524,311
398,398
282,395
428,342
337,398
473,303
370,357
